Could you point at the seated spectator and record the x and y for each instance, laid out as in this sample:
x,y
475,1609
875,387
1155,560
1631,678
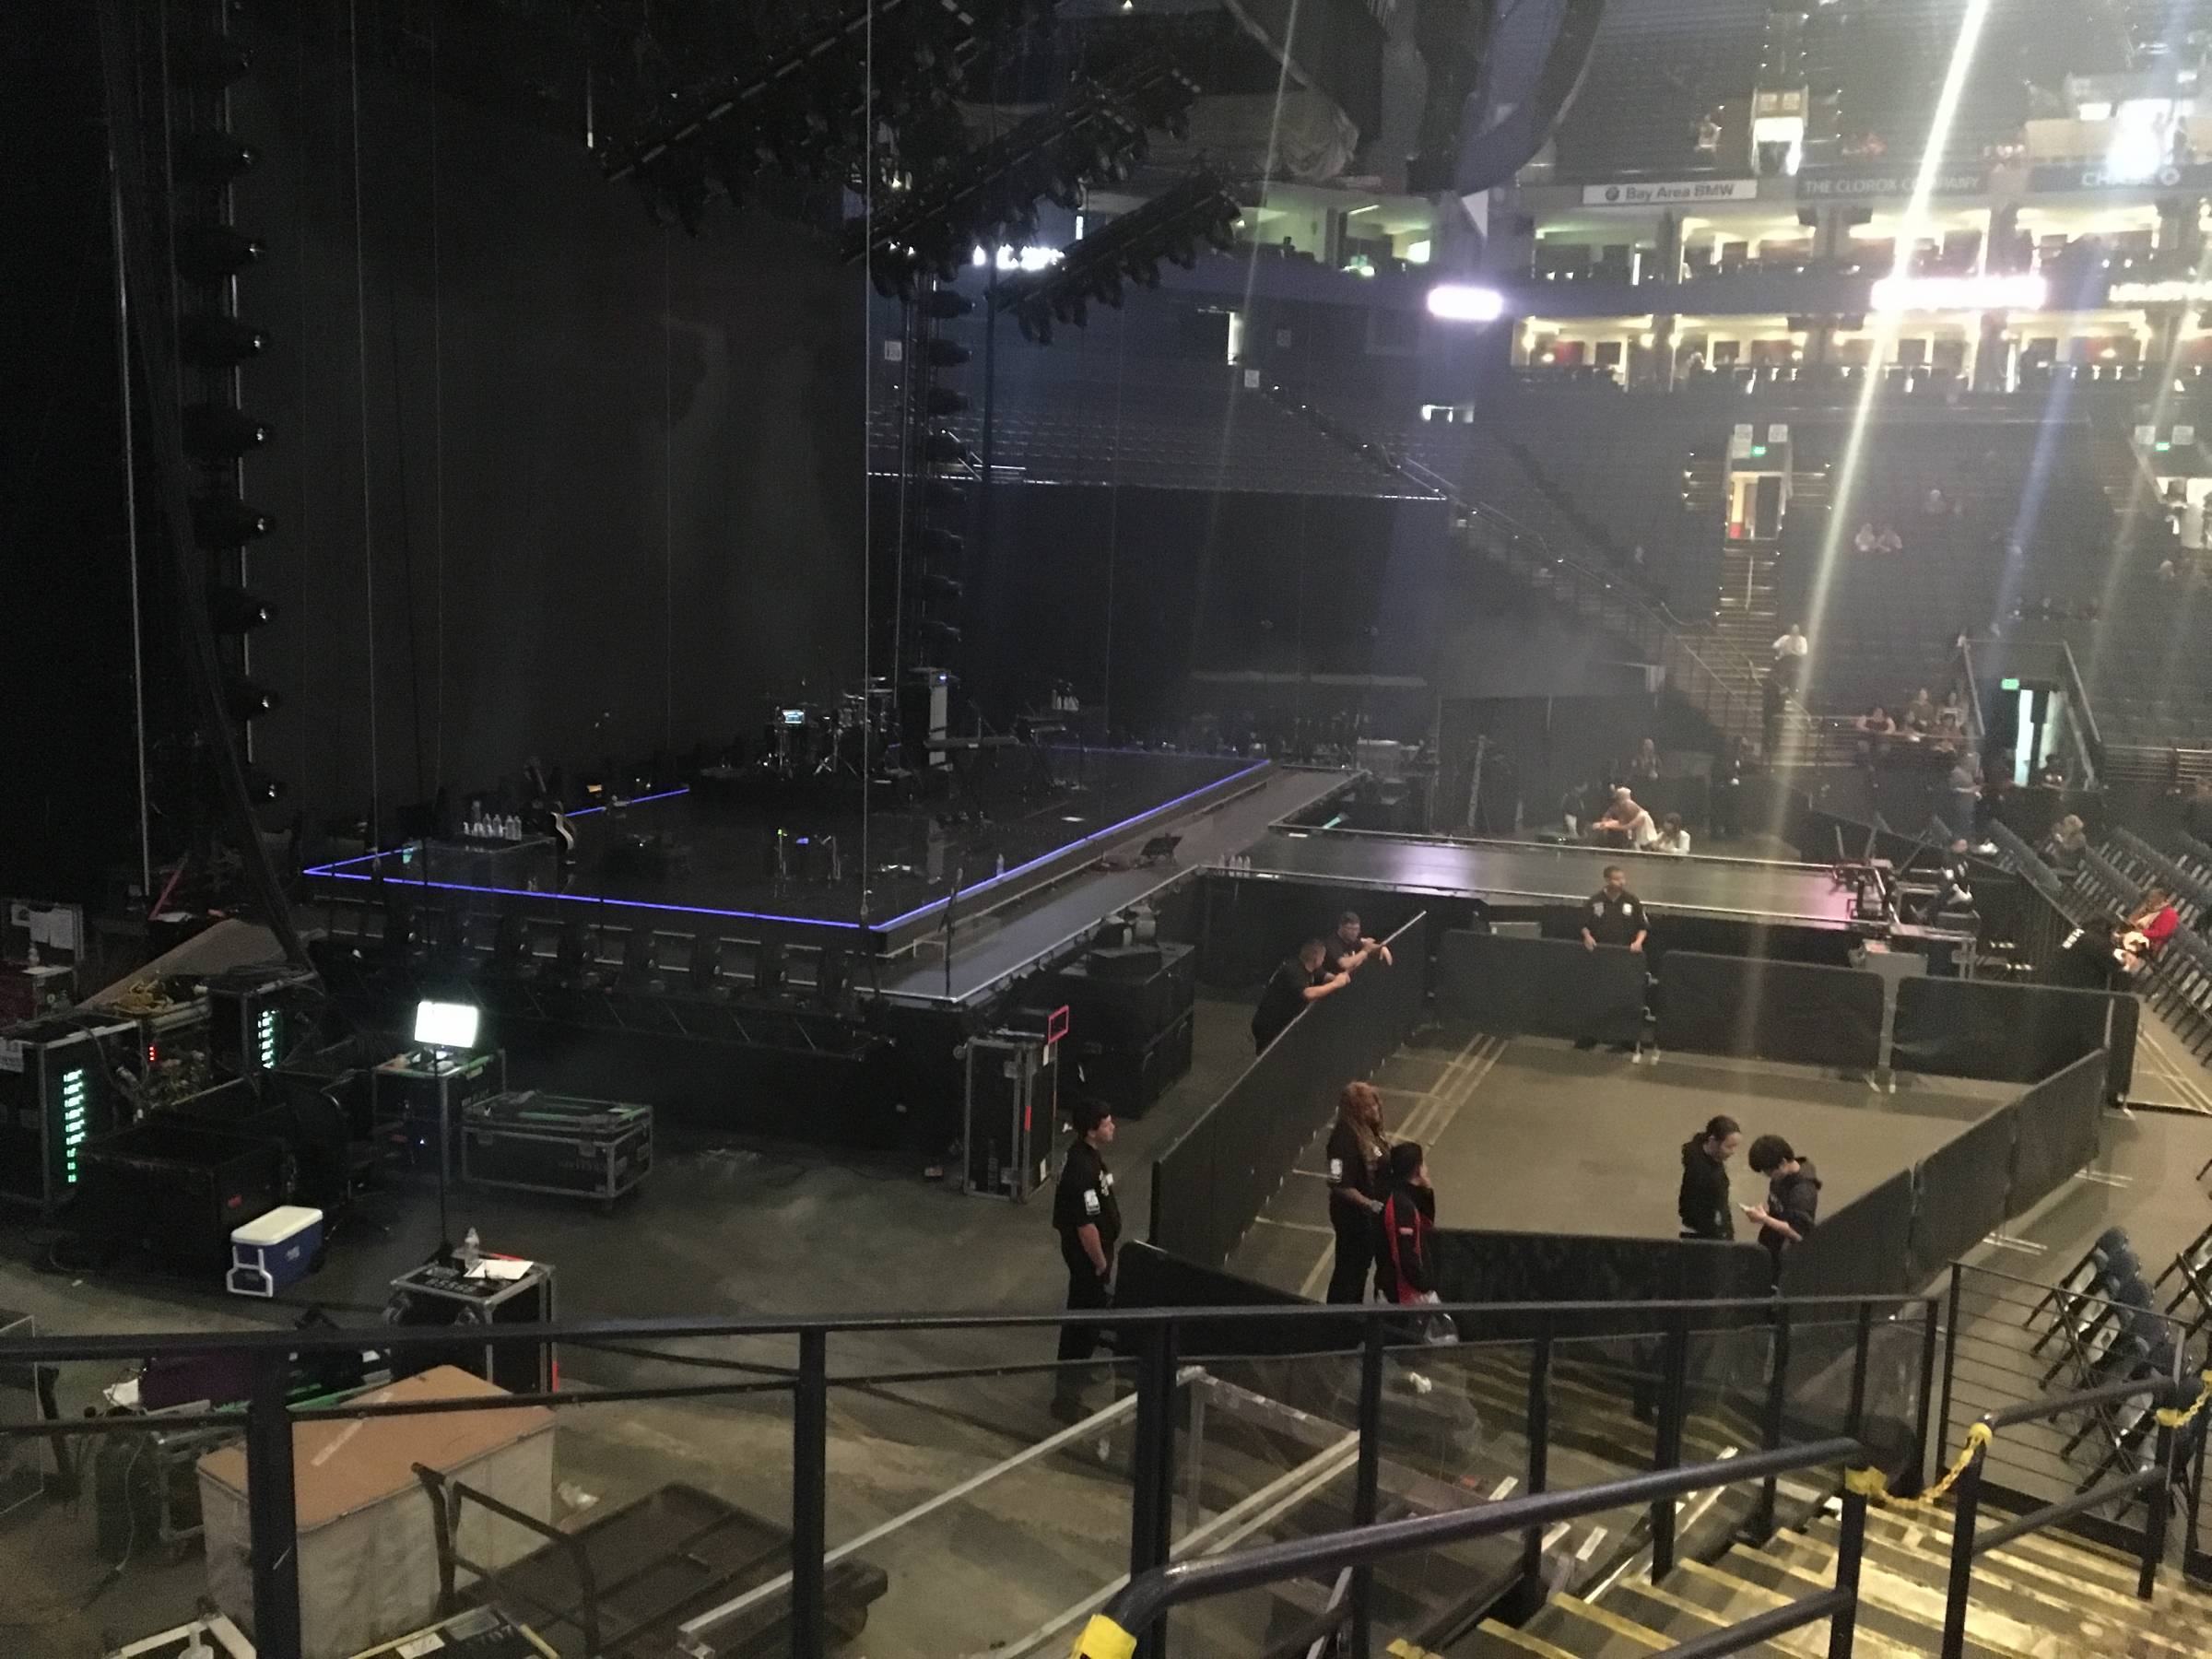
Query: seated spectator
x,y
1876,720
1866,540
2154,922
1643,766
1934,506
1626,824
2168,572
1672,837
1919,713
2068,842
2052,776
1888,541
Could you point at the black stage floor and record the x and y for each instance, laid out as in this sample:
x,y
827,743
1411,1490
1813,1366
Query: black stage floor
x,y
1020,817
1731,890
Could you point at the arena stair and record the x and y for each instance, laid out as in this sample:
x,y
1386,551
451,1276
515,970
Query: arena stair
x,y
2046,1596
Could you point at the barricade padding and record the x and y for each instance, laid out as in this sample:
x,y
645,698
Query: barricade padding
x,y
2059,1119
1541,987
1961,1191
2007,1033
1860,1249
1796,1012
1474,1266
1210,1184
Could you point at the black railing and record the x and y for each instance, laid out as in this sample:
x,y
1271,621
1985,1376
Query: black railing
x,y
2154,1484
1138,1610
1676,1341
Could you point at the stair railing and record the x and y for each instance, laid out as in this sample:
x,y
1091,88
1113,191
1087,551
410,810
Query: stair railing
x,y
1140,1605
2154,1482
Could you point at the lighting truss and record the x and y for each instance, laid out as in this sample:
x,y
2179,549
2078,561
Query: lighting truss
x,y
859,87
1095,136
1171,227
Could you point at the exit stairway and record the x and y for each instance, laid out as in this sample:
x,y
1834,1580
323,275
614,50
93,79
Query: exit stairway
x,y
2045,1597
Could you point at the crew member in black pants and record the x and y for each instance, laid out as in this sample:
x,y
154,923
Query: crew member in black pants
x,y
1357,1155
1704,1203
1088,1219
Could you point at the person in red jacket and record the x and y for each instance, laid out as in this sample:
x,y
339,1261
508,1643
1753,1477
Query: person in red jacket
x,y
1405,1253
2148,930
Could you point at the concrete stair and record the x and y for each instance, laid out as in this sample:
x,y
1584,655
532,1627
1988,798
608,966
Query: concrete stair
x,y
2046,1596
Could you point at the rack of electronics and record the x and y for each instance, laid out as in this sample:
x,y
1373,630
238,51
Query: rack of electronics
x,y
149,1129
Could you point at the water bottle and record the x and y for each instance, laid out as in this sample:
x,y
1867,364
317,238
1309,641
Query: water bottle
x,y
472,1250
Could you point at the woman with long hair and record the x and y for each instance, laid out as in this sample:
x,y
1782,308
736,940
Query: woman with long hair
x,y
1357,1153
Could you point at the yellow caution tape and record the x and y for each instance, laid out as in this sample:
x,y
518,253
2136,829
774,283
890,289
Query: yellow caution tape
x,y
2171,1418
1102,1639
1870,1484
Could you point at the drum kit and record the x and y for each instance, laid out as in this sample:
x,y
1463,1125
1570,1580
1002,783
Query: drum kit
x,y
847,738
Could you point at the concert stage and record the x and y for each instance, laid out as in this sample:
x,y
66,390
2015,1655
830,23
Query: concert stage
x,y
735,862
1534,873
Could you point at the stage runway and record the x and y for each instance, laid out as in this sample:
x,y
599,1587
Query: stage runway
x,y
1731,890
1022,818
1532,1135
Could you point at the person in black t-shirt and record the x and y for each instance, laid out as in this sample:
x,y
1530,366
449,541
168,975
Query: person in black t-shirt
x,y
1087,1217
1703,1201
1356,1155
1351,949
1616,915
1304,977
1613,915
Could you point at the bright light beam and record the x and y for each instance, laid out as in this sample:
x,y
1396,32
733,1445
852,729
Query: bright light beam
x,y
1462,302
1900,272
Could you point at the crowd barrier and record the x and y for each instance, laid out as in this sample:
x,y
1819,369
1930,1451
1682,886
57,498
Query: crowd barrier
x,y
1476,1266
1147,1276
1250,926
1795,1012
1904,1232
1212,1182
2011,1033
1541,987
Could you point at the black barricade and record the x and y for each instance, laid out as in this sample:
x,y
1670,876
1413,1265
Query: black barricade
x,y
1473,1265
1148,1277
1209,1185
2057,1134
1860,1250
2009,1033
1541,987
1768,1010
1961,1191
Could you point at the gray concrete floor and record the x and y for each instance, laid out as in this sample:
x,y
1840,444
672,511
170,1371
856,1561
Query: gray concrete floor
x,y
1533,1136
724,1228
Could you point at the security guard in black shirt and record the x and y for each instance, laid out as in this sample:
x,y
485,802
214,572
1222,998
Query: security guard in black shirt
x,y
1087,1217
1614,915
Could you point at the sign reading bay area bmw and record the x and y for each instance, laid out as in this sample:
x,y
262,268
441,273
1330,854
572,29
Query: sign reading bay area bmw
x,y
1667,194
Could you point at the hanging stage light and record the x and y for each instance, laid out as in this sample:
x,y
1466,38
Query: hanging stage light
x,y
211,252
220,521
945,353
214,342
218,432
939,590
214,157
944,635
234,610
246,700
1169,226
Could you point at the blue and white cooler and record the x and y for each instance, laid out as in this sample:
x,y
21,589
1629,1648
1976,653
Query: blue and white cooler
x,y
274,1251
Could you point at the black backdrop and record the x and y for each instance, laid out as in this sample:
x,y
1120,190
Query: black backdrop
x,y
600,487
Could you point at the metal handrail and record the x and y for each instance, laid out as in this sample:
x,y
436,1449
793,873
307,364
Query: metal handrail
x,y
1141,1603
2091,741
2156,1480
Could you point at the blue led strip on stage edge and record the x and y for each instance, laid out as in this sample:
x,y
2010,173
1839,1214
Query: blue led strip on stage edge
x,y
338,872
580,812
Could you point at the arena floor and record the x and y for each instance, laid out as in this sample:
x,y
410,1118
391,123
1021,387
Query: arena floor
x,y
1534,1135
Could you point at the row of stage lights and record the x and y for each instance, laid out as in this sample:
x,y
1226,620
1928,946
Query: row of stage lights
x,y
209,254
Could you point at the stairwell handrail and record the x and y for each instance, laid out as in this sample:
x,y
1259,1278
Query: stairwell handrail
x,y
2086,732
1138,1604
2156,1480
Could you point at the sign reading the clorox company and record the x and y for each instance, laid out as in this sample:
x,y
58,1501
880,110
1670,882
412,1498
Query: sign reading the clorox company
x,y
1640,195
